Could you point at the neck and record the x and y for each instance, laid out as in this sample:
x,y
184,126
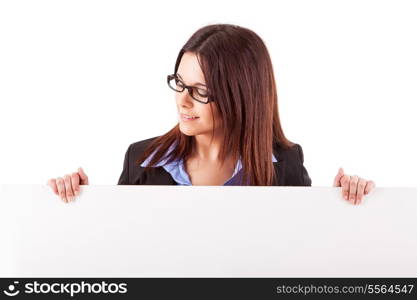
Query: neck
x,y
206,148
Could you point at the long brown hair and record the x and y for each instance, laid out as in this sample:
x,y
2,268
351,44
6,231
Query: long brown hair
x,y
240,78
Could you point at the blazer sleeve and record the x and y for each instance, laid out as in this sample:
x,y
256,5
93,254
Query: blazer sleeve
x,y
124,177
305,179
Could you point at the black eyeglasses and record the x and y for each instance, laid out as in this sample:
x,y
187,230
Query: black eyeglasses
x,y
198,94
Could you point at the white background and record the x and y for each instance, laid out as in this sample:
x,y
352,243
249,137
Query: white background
x,y
81,80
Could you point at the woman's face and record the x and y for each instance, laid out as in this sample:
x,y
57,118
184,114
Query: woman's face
x,y
190,73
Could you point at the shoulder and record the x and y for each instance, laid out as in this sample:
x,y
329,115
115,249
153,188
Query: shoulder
x,y
134,151
134,174
291,167
137,148
294,154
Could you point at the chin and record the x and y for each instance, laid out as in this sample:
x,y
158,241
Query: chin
x,y
187,131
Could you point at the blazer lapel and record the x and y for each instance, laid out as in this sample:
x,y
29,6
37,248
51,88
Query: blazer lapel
x,y
157,176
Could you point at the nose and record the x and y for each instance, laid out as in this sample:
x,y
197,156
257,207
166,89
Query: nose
x,y
184,99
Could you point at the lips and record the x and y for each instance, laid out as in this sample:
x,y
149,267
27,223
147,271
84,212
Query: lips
x,y
187,116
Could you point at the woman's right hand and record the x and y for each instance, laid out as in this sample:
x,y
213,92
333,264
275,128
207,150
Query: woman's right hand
x,y
69,186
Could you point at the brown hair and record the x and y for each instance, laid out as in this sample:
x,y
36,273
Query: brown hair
x,y
239,75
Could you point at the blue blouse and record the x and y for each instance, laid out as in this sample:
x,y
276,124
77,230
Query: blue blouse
x,y
177,169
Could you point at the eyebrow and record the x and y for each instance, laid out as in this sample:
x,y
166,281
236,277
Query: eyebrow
x,y
197,83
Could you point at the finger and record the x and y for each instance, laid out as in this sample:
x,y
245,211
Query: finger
x,y
68,187
75,181
52,184
339,175
370,185
345,186
83,176
353,185
61,188
361,189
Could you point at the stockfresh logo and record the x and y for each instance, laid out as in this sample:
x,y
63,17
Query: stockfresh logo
x,y
12,290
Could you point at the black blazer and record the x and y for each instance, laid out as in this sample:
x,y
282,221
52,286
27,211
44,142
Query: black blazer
x,y
289,168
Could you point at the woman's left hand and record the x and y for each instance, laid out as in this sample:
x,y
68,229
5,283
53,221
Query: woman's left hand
x,y
353,187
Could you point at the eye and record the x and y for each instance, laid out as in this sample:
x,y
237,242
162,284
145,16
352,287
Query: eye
x,y
179,83
202,92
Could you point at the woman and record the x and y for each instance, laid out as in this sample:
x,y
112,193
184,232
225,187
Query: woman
x,y
229,130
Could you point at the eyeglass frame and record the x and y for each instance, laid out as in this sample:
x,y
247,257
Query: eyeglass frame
x,y
188,87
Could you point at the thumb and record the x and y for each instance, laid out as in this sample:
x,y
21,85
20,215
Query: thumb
x,y
83,176
339,175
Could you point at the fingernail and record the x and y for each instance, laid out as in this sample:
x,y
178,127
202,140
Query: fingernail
x,y
76,192
346,197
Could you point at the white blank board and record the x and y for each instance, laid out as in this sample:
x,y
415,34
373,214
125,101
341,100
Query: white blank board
x,y
207,231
